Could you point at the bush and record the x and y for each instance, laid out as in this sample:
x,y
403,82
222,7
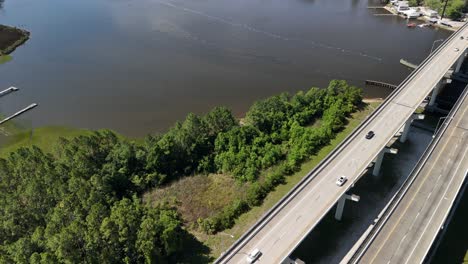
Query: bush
x,y
255,194
225,219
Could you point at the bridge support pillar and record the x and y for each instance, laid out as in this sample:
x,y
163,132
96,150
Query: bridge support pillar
x,y
460,62
378,161
436,91
434,94
407,126
341,204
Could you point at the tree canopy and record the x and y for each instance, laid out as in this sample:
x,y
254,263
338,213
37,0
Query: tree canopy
x,y
82,203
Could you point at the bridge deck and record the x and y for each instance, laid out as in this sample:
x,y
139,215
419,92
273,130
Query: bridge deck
x,y
278,233
409,233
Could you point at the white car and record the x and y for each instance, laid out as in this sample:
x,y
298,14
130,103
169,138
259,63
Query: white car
x,y
253,256
341,180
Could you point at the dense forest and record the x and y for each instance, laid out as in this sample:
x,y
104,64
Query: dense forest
x,y
82,202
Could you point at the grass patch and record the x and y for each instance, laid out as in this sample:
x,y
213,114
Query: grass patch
x,y
43,137
199,196
221,241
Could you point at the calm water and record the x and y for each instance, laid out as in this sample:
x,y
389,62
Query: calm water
x,y
136,66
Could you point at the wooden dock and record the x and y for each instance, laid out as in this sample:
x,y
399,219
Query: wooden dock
x,y
18,113
380,84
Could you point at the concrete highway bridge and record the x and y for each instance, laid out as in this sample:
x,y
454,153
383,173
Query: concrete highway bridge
x,y
406,229
283,228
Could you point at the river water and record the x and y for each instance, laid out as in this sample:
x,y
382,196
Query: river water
x,y
137,66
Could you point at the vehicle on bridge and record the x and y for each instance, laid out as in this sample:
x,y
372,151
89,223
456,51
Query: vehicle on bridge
x,y
253,256
370,134
341,180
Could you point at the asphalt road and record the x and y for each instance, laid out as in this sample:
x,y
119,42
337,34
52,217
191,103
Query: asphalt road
x,y
280,233
411,229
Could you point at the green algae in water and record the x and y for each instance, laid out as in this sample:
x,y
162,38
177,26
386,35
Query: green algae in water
x,y
5,58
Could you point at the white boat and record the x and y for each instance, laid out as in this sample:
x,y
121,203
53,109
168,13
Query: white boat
x,y
424,25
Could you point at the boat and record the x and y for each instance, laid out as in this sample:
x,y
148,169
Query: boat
x,y
424,25
411,25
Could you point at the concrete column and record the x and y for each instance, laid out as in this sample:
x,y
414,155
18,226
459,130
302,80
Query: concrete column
x,y
460,62
435,92
407,126
341,204
340,208
437,89
378,161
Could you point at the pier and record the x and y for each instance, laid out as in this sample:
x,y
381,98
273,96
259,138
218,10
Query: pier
x,y
380,84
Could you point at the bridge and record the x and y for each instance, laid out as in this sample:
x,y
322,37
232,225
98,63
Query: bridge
x,y
406,229
283,228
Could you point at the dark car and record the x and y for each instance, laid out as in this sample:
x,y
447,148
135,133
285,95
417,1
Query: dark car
x,y
370,135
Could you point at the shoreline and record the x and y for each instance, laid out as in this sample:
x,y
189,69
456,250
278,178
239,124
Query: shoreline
x,y
373,100
16,136
421,18
12,39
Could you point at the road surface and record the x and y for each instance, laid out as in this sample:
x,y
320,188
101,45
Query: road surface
x,y
411,229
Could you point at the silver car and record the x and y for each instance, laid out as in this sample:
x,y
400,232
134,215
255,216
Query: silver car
x,y
341,180
253,256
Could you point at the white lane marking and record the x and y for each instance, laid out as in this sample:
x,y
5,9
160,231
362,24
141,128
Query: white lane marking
x,y
406,208
444,171
438,205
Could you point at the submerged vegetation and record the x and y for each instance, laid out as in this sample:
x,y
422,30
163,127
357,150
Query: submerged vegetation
x,y
80,199
5,59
